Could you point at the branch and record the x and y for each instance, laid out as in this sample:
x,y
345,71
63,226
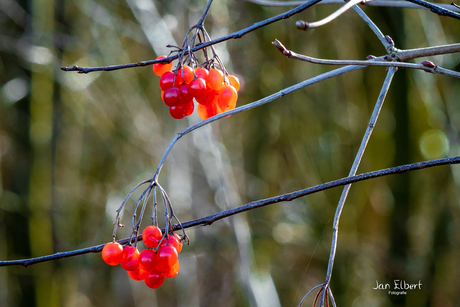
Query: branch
x,y
235,35
303,25
436,9
383,3
208,220
380,61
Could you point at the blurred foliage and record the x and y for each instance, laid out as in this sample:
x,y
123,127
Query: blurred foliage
x,y
72,146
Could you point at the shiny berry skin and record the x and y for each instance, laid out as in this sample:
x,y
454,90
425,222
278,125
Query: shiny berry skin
x,y
201,72
147,259
151,235
190,106
159,69
112,253
130,258
166,80
173,240
210,98
154,280
197,88
234,81
185,95
227,99
207,111
178,111
166,256
173,271
179,243
215,79
138,274
171,96
186,74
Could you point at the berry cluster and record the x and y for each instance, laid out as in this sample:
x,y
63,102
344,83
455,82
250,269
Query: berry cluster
x,y
150,265
214,90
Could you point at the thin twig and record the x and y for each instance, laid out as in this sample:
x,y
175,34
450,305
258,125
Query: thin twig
x,y
331,17
208,220
410,54
374,28
235,35
375,61
353,170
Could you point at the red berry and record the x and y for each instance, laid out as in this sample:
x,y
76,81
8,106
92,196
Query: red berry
x,y
227,99
173,271
178,111
147,259
173,240
197,87
215,79
166,256
185,95
112,253
201,72
160,69
130,258
166,80
154,280
171,96
186,74
179,243
151,235
190,107
138,274
207,111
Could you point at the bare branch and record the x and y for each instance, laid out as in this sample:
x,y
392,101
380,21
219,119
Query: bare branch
x,y
374,28
383,3
436,9
384,61
208,220
353,170
409,54
303,25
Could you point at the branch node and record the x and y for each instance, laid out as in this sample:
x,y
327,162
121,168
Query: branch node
x,y
302,25
390,40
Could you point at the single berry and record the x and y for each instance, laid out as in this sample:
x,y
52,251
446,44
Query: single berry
x,y
151,235
173,240
178,111
201,72
185,95
130,258
173,271
154,280
166,256
215,79
159,69
138,273
207,111
186,74
147,259
167,80
227,99
171,96
197,88
234,81
112,253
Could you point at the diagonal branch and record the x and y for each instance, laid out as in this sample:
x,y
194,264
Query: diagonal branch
x,y
208,220
436,9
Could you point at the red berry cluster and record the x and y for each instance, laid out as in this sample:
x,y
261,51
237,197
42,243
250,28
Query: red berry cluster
x,y
214,91
150,266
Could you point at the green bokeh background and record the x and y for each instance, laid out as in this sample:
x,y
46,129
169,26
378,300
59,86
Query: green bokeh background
x,y
73,145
